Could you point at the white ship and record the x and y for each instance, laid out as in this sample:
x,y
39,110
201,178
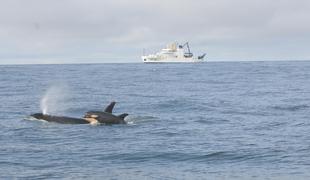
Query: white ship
x,y
173,53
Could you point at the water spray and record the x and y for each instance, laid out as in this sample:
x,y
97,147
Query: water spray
x,y
55,99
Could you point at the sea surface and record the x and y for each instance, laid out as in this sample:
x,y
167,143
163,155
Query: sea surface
x,y
215,120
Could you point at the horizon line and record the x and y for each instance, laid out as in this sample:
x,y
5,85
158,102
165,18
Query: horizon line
x,y
210,61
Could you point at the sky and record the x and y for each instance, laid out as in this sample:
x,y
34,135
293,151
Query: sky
x,y
102,31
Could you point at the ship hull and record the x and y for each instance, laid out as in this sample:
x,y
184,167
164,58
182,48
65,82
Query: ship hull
x,y
172,60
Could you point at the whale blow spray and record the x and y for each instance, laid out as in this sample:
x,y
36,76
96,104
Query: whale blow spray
x,y
54,100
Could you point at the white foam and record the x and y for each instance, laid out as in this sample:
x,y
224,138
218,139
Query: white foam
x,y
94,123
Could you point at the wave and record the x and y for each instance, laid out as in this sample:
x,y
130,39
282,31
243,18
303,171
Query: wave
x,y
212,157
132,119
290,107
211,120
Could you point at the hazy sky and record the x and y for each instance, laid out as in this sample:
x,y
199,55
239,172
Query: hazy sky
x,y
86,31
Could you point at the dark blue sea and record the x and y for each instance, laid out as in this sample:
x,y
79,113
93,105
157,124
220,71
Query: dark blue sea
x,y
224,120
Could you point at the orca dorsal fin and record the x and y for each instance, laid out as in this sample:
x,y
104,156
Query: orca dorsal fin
x,y
123,115
110,107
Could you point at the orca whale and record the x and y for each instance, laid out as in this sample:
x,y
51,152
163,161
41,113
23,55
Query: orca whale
x,y
91,117
59,119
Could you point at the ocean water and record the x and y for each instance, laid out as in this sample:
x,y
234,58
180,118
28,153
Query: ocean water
x,y
236,120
